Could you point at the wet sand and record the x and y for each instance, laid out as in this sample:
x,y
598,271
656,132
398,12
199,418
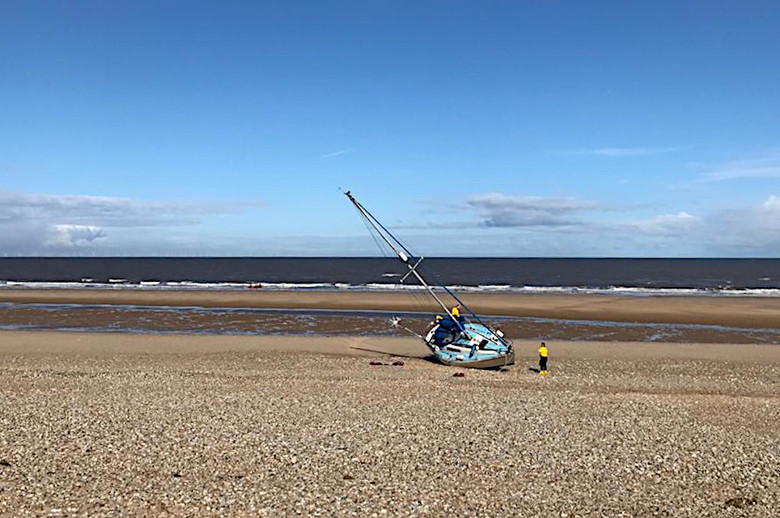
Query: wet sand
x,y
727,311
142,425
241,321
330,313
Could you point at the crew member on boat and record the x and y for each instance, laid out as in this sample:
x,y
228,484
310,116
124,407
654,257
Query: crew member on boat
x,y
455,312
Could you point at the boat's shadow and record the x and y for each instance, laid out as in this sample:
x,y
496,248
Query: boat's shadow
x,y
428,357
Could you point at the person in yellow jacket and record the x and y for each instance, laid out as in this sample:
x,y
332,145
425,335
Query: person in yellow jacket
x,y
456,316
543,354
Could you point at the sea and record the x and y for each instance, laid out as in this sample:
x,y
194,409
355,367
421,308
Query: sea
x,y
656,277
623,277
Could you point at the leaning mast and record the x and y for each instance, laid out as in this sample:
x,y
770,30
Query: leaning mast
x,y
400,250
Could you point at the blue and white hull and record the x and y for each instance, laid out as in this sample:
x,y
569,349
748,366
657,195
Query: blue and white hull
x,y
469,345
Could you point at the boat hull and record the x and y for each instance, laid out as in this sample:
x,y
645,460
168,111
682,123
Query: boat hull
x,y
470,345
496,362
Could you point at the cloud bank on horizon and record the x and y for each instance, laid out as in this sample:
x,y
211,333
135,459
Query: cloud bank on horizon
x,y
509,225
48,224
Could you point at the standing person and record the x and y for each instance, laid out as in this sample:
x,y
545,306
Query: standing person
x,y
543,359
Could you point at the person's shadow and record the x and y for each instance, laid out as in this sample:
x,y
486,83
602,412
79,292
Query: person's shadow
x,y
534,369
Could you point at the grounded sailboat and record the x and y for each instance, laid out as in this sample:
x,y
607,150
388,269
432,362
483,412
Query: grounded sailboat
x,y
454,339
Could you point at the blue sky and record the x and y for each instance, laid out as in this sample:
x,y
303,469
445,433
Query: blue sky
x,y
523,128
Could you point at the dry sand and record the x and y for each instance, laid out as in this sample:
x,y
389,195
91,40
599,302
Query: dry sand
x,y
727,311
108,424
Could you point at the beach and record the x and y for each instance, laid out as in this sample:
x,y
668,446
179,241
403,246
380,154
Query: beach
x,y
99,424
272,259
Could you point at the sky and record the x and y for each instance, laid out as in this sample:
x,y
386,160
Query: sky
x,y
470,128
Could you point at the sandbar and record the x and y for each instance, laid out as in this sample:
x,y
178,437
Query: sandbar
x,y
753,312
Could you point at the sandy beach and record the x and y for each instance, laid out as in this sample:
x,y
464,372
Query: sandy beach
x,y
151,425
276,259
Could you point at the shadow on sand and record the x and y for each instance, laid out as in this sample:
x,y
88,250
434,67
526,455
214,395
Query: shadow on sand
x,y
428,358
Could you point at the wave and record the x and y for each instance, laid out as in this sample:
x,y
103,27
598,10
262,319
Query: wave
x,y
151,285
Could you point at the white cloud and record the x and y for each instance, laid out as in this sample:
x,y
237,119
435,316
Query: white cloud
x,y
501,210
577,227
335,153
772,205
668,224
107,211
71,236
619,152
33,224
748,230
736,232
504,225
762,167
764,216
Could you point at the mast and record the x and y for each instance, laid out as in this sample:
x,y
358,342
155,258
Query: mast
x,y
400,250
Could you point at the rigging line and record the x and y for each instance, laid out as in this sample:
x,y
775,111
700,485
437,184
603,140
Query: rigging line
x,y
419,300
375,227
382,249
415,252
373,233
424,302
390,234
410,251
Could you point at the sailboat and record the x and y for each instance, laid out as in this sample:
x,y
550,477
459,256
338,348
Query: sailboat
x,y
453,338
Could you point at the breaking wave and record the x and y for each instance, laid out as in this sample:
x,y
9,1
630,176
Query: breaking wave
x,y
156,285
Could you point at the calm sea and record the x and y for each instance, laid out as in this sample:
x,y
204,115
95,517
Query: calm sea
x,y
746,277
